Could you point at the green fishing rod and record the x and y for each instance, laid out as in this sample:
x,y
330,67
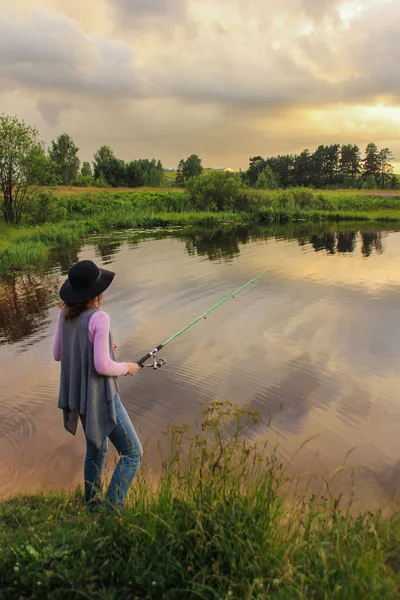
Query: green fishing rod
x,y
159,362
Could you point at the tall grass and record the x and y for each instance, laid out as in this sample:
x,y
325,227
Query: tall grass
x,y
22,247
217,525
293,199
89,211
94,201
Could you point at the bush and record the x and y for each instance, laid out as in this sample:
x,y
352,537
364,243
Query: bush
x,y
218,191
84,181
46,207
302,196
101,181
285,201
322,202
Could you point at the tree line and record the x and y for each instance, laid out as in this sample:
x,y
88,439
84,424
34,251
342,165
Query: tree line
x,y
64,168
331,166
24,161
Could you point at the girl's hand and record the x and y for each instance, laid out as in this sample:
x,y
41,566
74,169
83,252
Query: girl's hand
x,y
133,368
115,346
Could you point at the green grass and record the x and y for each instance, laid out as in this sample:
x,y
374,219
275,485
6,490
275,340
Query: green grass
x,y
217,525
25,247
72,215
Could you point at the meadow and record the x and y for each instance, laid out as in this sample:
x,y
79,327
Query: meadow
x,y
222,521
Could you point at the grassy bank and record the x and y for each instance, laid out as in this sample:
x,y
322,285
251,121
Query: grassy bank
x,y
217,525
23,247
67,216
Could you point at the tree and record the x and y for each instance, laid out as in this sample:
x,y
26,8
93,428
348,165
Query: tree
x,y
64,154
86,170
282,166
350,161
22,160
188,168
144,172
318,167
110,166
257,165
371,162
50,175
192,167
180,177
324,167
303,168
385,167
267,179
331,167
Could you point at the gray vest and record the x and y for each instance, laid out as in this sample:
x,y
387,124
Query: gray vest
x,y
82,390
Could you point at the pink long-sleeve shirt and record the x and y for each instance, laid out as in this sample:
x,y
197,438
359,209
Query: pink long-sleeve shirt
x,y
99,332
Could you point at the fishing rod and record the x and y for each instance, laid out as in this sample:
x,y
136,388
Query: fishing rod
x,y
159,362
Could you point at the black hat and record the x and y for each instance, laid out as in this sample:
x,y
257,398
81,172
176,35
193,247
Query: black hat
x,y
85,281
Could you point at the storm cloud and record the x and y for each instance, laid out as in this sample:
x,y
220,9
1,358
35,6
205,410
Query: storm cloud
x,y
224,79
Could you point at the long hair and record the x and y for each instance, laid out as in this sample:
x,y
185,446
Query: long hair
x,y
71,311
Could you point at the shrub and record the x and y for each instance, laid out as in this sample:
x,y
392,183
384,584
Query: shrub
x,y
285,201
218,191
46,207
302,196
84,181
322,202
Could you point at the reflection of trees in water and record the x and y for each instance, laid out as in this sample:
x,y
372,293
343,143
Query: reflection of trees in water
x,y
64,257
107,249
24,302
346,241
224,244
217,244
326,242
370,240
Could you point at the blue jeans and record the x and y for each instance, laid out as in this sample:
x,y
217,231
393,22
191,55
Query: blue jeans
x,y
127,443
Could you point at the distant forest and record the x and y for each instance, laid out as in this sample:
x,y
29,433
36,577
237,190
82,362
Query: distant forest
x,y
334,166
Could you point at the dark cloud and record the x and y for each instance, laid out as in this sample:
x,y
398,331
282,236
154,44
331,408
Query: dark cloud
x,y
232,76
374,52
49,51
278,82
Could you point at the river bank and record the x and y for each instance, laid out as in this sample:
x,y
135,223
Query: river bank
x,y
64,217
217,525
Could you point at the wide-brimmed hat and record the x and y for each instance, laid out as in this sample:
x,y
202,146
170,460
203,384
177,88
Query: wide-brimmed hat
x,y
85,281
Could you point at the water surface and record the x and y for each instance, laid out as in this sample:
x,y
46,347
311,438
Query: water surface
x,y
314,345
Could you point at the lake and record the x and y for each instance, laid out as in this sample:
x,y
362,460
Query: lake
x,y
313,345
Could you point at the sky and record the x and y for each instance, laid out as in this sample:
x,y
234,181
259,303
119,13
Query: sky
x,y
225,79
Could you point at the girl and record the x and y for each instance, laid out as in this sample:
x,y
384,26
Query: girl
x,y
89,386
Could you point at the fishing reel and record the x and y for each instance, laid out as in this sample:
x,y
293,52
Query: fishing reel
x,y
156,363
